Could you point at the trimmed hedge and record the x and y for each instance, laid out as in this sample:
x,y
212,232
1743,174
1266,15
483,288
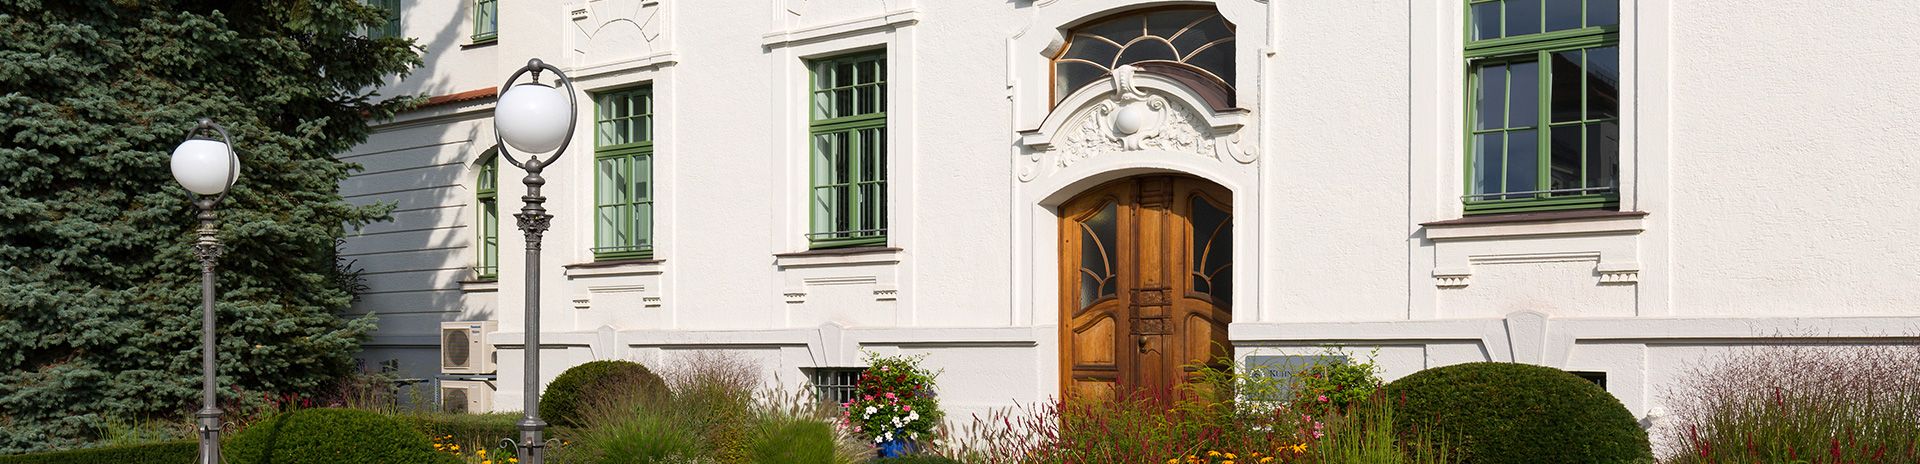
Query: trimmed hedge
x,y
172,451
1519,413
332,436
585,384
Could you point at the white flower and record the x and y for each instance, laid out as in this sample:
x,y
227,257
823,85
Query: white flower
x,y
889,436
871,410
913,416
878,439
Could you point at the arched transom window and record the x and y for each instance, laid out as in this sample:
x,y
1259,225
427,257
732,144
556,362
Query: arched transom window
x,y
1196,39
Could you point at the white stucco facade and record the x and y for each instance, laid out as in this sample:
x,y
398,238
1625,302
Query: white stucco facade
x,y
1768,153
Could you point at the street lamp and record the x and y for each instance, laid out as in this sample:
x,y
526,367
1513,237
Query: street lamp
x,y
534,118
207,167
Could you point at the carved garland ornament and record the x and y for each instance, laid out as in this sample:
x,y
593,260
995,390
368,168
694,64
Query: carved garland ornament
x,y
1136,120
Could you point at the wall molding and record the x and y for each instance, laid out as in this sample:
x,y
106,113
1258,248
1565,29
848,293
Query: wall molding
x,y
871,24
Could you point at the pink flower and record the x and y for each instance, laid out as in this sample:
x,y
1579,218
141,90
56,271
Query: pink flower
x,y
1323,398
1316,434
889,395
909,408
869,397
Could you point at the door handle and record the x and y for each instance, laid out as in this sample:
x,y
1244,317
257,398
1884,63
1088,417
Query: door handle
x,y
1143,342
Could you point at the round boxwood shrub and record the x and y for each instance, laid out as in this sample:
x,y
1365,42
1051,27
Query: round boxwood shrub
x,y
1518,413
330,436
598,381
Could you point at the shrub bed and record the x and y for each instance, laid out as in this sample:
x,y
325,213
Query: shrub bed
x,y
329,436
1518,413
172,451
594,382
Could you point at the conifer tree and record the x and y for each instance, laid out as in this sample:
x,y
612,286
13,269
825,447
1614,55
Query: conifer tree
x,y
99,287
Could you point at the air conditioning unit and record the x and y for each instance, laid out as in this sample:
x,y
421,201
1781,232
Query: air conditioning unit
x,y
466,396
464,348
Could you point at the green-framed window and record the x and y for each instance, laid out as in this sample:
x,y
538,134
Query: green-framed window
x,y
486,20
623,174
487,196
391,8
1543,105
848,146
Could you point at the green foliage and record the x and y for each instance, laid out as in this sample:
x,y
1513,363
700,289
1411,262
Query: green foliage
x,y
172,451
1519,413
718,412
99,287
918,459
597,381
470,431
641,438
329,436
896,400
1325,386
792,441
1363,432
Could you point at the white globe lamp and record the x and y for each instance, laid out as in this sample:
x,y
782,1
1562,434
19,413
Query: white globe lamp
x,y
533,117
206,167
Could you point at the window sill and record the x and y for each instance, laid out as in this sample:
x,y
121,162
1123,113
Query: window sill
x,y
477,43
1588,222
480,285
619,267
838,257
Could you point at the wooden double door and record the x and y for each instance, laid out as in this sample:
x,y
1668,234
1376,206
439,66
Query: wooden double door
x,y
1146,275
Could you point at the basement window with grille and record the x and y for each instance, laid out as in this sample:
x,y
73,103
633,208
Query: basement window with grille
x,y
834,385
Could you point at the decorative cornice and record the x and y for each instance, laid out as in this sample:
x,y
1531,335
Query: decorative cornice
x,y
877,23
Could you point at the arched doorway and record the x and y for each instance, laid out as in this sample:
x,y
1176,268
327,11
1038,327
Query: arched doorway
x,y
1146,284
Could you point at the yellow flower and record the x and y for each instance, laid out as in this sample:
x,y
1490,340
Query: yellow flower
x,y
1173,461
482,452
1213,454
1229,461
1231,456
485,461
1267,459
456,447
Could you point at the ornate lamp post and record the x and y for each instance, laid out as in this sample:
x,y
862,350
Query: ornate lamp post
x,y
534,118
207,167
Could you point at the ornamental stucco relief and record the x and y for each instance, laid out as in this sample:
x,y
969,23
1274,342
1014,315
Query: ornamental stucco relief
x,y
1135,119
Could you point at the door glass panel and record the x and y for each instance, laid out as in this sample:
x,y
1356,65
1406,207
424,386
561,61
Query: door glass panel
x,y
1212,251
1098,255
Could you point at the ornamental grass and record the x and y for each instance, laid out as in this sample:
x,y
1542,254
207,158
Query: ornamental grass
x,y
1798,404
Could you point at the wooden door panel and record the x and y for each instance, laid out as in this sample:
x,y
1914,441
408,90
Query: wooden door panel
x,y
1145,284
1093,342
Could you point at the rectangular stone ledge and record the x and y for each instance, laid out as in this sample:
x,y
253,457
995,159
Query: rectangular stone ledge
x,y
857,26
1253,334
839,257
1588,222
476,286
619,267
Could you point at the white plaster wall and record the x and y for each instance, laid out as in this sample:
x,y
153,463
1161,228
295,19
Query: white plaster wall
x,y
1337,188
1771,159
451,62
414,264
1793,128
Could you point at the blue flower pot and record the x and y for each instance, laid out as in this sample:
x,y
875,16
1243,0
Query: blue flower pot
x,y
897,448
